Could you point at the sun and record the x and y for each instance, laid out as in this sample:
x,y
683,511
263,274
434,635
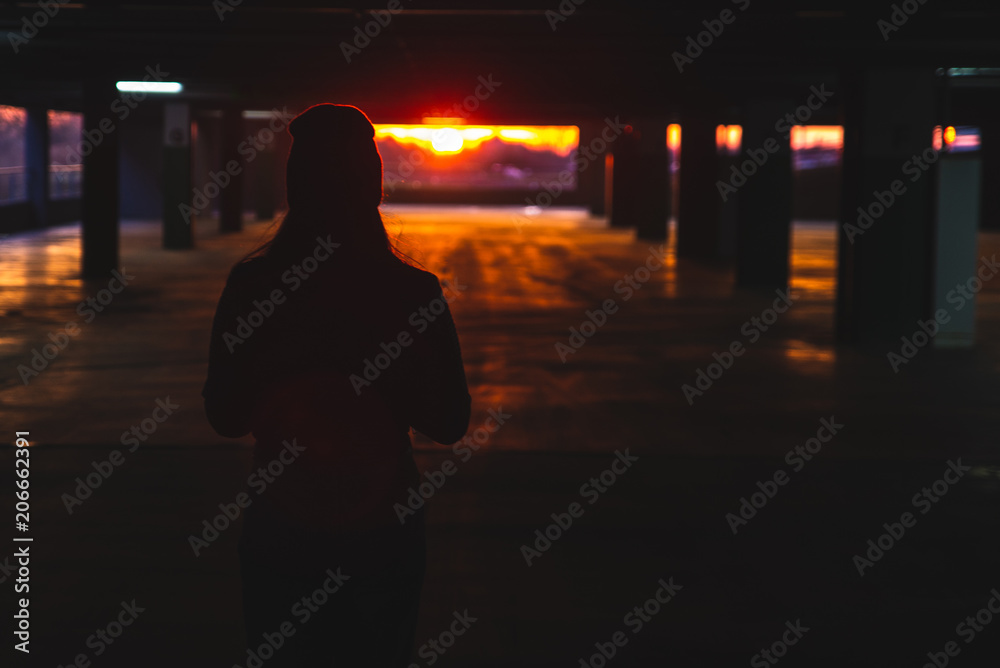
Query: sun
x,y
446,140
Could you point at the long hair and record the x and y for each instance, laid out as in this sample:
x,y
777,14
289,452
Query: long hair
x,y
334,185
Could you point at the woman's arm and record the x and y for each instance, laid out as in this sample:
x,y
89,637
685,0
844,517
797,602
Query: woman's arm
x,y
437,401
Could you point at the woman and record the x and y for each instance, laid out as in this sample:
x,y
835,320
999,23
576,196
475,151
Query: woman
x,y
314,351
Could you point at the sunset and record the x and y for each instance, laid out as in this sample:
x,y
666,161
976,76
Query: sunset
x,y
452,139
580,334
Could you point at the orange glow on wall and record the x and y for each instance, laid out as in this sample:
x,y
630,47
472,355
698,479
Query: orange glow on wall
x,y
728,137
817,136
734,135
451,139
673,136
960,139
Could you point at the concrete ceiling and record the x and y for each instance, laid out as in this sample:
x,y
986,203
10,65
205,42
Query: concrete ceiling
x,y
603,58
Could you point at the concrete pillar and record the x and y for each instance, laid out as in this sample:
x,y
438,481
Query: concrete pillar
x,y
885,246
729,211
100,180
206,161
990,151
957,195
641,179
231,197
624,179
699,201
652,206
37,163
178,224
763,235
590,179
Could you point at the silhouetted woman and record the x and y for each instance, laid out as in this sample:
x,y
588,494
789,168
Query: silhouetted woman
x,y
329,378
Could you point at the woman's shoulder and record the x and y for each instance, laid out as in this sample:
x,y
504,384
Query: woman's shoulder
x,y
249,264
419,281
249,275
416,274
397,276
248,267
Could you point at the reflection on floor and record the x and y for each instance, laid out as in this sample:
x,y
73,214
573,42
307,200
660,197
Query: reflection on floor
x,y
530,279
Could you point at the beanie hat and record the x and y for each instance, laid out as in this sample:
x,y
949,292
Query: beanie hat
x,y
334,161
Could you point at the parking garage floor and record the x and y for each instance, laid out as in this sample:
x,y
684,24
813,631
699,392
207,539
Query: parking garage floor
x,y
675,512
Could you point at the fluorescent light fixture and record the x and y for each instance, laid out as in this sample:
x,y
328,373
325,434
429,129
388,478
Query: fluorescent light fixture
x,y
258,115
970,71
149,86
